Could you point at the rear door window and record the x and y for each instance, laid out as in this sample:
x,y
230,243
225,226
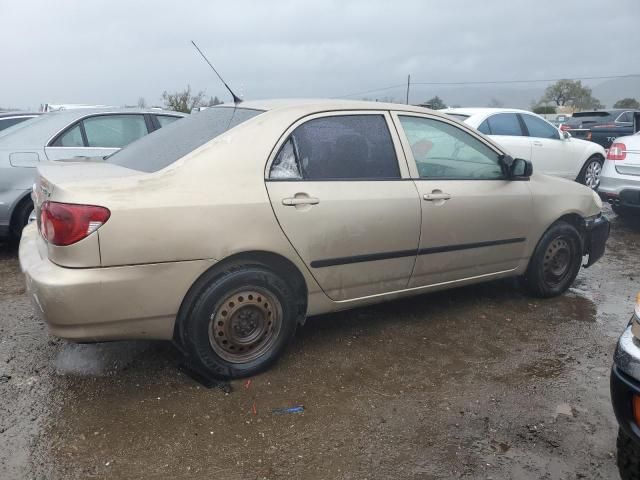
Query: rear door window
x,y
72,138
166,119
342,147
114,131
504,124
539,128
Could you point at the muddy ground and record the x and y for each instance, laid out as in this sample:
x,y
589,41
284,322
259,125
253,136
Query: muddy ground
x,y
479,382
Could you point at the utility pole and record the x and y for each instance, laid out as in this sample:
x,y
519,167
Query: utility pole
x,y
408,86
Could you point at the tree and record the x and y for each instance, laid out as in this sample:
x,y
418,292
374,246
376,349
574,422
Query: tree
x,y
435,103
142,103
495,103
627,103
570,93
183,101
213,101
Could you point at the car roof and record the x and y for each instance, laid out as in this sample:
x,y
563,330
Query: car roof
x,y
328,104
36,132
471,111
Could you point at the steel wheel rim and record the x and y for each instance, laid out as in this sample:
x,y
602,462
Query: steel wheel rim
x,y
592,175
245,325
557,261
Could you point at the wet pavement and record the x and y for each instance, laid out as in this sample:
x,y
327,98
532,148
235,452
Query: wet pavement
x,y
477,382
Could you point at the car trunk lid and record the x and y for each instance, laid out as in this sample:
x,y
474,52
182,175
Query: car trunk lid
x,y
74,183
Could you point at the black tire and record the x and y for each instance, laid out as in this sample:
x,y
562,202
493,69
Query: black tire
x,y
20,219
585,177
239,321
628,457
555,262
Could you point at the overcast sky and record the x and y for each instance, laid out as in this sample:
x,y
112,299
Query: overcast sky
x,y
115,51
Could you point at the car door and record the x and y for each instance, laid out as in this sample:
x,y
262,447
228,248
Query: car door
x,y
551,153
475,222
506,130
97,136
340,189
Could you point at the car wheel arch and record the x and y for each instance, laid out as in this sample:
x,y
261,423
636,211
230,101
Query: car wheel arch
x,y
573,219
590,155
281,265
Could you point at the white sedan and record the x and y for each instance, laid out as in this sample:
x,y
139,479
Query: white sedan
x,y
526,135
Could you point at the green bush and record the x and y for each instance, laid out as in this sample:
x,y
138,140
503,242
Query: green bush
x,y
544,109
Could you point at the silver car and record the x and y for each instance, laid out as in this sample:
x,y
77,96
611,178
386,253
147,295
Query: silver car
x,y
68,134
620,177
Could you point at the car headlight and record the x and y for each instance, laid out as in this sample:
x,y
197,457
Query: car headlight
x,y
597,199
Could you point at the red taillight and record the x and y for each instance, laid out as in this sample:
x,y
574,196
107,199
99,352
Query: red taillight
x,y
67,223
587,136
617,151
564,127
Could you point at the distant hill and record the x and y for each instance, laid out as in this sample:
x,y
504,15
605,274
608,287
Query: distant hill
x,y
608,92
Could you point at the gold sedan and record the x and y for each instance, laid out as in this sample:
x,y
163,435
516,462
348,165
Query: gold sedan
x,y
224,231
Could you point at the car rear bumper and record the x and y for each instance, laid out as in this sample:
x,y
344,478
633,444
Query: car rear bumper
x,y
597,233
625,383
112,303
619,190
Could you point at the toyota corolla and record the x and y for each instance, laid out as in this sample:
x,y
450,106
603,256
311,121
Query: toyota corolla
x,y
224,231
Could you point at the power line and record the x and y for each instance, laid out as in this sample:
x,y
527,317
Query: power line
x,y
491,82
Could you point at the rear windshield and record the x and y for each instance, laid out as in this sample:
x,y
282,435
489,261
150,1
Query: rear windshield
x,y
458,116
164,146
591,114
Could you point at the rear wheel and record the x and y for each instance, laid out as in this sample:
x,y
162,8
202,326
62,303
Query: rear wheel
x,y
628,457
240,322
555,262
590,173
23,214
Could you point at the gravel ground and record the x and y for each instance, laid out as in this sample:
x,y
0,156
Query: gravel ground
x,y
478,382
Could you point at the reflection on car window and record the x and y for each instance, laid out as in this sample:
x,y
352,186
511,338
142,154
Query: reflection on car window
x,y
625,117
504,124
166,145
539,128
339,147
73,138
442,150
114,131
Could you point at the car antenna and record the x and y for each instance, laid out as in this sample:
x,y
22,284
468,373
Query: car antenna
x,y
236,99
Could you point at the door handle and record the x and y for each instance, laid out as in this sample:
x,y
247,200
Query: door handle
x,y
432,197
293,201
537,143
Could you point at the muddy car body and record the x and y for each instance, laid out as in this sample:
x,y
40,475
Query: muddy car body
x,y
223,231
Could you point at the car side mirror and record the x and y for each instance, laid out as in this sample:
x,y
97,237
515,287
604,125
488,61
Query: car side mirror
x,y
520,169
565,135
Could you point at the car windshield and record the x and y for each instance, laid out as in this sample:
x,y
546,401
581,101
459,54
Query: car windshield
x,y
168,144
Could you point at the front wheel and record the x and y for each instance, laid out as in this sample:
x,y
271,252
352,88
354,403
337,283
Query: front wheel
x,y
240,322
628,457
590,173
555,262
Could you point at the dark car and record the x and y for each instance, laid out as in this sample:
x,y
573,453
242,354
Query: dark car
x,y
9,119
601,126
625,395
